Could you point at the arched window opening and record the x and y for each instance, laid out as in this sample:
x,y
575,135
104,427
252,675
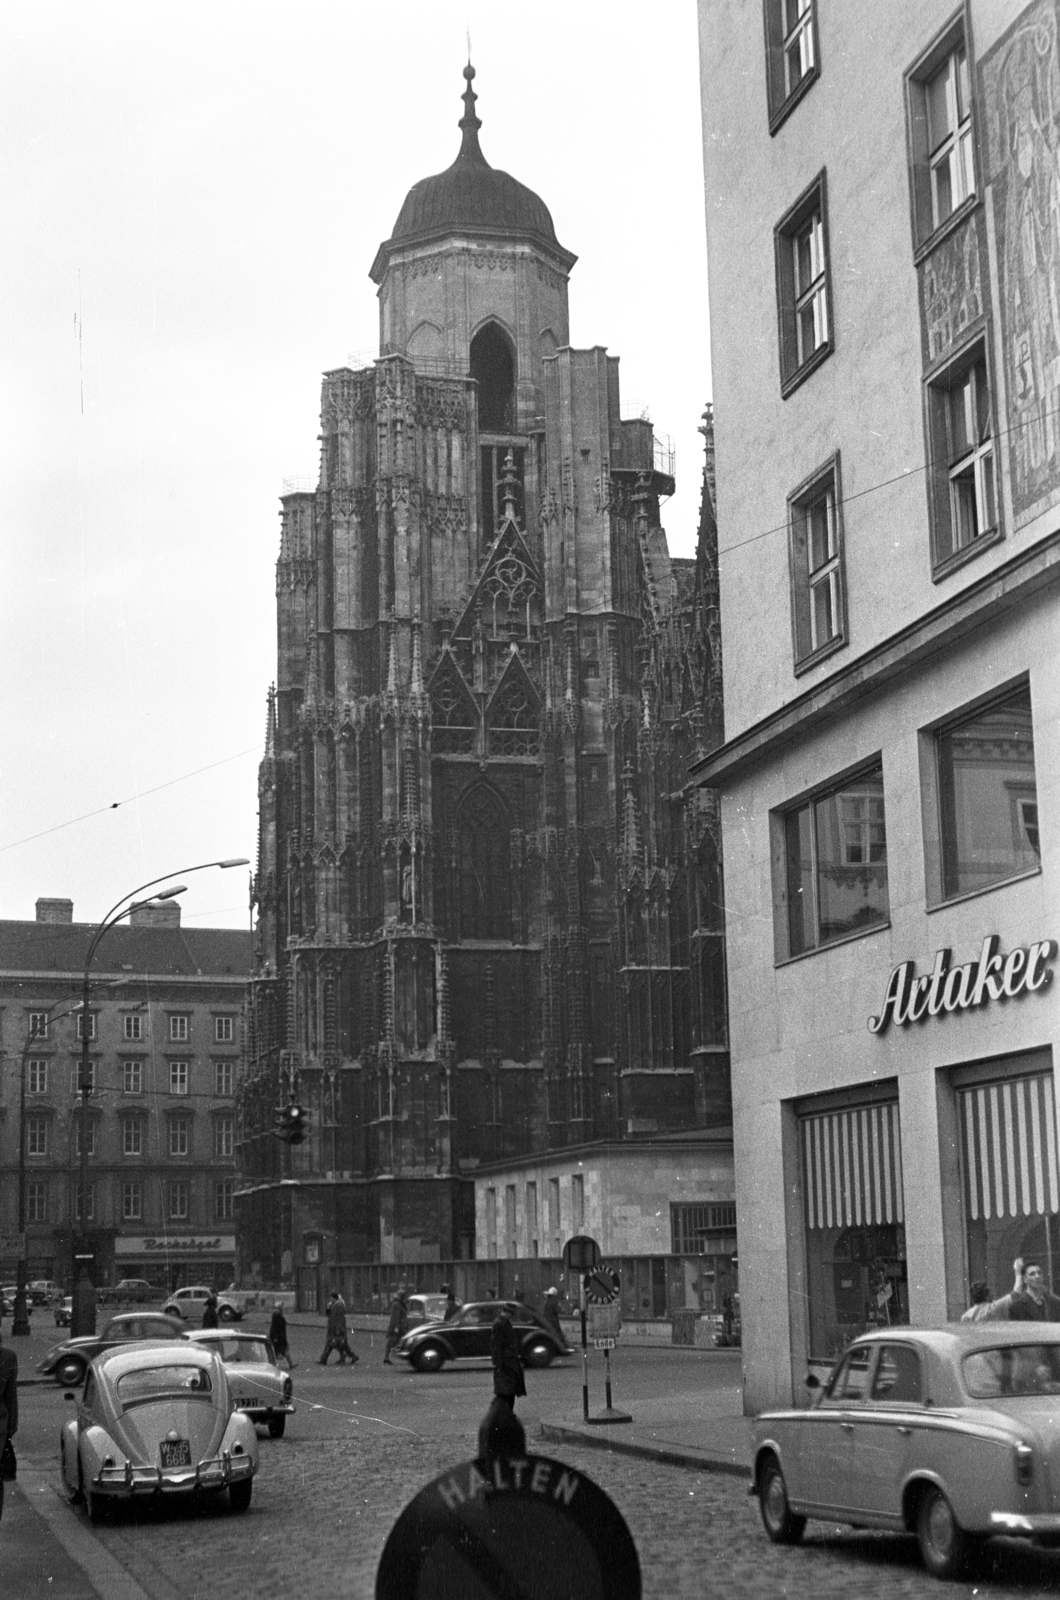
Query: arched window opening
x,y
514,722
493,366
453,721
485,867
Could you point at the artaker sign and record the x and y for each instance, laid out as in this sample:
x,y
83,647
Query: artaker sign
x,y
994,976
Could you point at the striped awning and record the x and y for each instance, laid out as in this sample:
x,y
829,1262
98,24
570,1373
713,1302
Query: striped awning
x,y
852,1167
1008,1137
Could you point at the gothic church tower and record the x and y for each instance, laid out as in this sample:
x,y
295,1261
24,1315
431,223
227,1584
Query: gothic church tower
x,y
480,888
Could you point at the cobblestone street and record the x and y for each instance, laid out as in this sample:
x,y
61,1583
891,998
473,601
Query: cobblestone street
x,y
322,1512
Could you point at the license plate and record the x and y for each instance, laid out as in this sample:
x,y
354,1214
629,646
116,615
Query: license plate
x,y
176,1453
245,1403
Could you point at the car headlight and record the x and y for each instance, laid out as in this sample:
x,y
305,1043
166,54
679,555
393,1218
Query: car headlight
x,y
1024,1461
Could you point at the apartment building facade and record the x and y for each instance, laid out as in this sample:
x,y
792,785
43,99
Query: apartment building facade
x,y
883,219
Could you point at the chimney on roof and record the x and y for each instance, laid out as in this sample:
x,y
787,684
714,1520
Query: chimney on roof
x,y
159,914
55,910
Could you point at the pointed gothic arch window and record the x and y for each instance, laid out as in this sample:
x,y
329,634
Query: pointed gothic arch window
x,y
485,857
513,720
453,720
493,366
507,595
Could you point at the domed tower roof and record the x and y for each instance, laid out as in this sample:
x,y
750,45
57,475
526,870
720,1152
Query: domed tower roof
x,y
471,197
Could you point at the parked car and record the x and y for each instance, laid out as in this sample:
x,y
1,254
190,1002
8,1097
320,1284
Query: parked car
x,y
129,1291
156,1419
190,1302
257,1385
68,1362
952,1434
45,1291
7,1300
467,1337
64,1311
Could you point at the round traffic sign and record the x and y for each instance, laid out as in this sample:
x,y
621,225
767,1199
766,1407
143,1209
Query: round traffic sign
x,y
602,1285
530,1528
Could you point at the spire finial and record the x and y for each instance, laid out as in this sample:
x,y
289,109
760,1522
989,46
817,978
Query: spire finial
x,y
469,123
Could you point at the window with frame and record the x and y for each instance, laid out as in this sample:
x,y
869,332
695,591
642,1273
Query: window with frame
x,y
178,1029
37,1077
791,55
703,1230
818,590
223,1030
835,863
37,1200
132,1077
178,1201
91,1025
803,290
179,1131
223,1077
132,1027
961,448
939,105
90,1077
36,1136
132,1201
91,1136
223,1203
223,1136
38,1024
132,1136
178,1077
90,1208
987,795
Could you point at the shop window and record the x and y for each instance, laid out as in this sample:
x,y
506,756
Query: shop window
x,y
1011,1187
792,55
803,290
961,475
986,798
835,864
939,108
818,590
855,1223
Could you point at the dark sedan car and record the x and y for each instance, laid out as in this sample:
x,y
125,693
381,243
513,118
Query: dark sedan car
x,y
467,1337
69,1361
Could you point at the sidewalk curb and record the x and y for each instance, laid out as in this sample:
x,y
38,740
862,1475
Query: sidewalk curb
x,y
105,1575
669,1455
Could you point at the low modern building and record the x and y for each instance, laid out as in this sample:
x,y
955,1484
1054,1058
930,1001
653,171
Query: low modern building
x,y
165,1033
883,219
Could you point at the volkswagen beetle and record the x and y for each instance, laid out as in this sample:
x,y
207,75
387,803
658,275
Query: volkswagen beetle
x,y
156,1419
259,1388
466,1337
68,1362
952,1434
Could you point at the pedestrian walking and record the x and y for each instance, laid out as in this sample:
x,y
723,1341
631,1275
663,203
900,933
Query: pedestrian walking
x,y
278,1336
398,1325
550,1315
451,1306
336,1332
508,1380
8,1416
209,1312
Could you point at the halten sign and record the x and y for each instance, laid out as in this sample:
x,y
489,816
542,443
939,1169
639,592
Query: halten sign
x,y
994,976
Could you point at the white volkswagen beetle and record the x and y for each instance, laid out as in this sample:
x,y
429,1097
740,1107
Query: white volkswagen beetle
x,y
156,1419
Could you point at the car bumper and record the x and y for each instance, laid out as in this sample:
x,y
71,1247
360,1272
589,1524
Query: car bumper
x,y
216,1473
1027,1525
263,1413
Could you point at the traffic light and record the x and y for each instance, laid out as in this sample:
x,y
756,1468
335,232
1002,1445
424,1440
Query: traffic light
x,y
291,1123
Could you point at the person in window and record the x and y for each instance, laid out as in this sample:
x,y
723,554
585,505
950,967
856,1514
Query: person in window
x,y
508,1380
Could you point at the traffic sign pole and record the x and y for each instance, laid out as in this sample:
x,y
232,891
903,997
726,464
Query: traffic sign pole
x,y
585,1352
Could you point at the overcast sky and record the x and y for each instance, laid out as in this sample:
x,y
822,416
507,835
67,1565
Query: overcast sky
x,y
192,197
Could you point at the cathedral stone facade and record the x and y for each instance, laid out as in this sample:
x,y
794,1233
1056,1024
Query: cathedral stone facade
x,y
488,910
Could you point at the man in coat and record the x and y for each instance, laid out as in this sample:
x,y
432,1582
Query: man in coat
x,y
278,1337
8,1404
550,1315
336,1332
508,1380
398,1325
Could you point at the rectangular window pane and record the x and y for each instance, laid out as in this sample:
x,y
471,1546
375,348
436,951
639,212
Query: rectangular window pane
x,y
37,1200
851,858
37,1136
222,1136
38,1024
132,1136
132,1027
131,1202
178,1202
988,796
178,1077
798,836
223,1078
38,1077
178,1136
223,1199
222,1030
178,1028
133,1077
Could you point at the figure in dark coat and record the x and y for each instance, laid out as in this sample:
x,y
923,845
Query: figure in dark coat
x,y
398,1325
8,1404
278,1336
209,1312
508,1380
336,1332
550,1316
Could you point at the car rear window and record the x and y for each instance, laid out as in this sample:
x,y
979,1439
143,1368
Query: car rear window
x,y
164,1382
236,1350
1013,1370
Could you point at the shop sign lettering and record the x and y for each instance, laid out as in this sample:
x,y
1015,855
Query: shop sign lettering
x,y
995,976
182,1244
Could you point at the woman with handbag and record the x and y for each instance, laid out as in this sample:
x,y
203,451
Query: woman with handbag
x,y
8,1416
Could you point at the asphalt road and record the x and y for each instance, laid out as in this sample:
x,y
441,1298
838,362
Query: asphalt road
x,y
366,1439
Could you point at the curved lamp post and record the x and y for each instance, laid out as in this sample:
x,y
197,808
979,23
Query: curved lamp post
x,y
83,1311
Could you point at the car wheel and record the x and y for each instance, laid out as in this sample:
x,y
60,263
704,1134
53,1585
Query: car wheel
x,y
778,1519
277,1426
942,1540
538,1353
429,1358
226,1314
239,1494
70,1371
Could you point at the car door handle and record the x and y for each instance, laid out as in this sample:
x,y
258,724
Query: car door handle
x,y
907,1433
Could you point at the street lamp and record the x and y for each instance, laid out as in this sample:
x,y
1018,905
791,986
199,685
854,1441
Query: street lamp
x,y
83,1315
